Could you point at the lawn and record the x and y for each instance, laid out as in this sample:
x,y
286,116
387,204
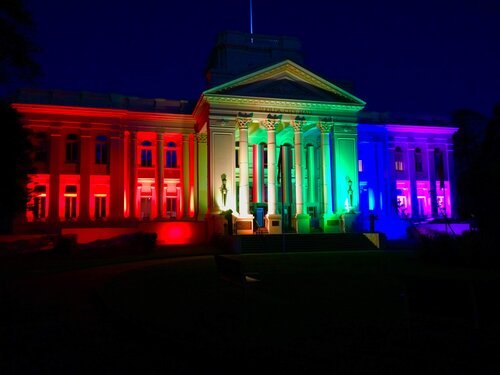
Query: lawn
x,y
345,311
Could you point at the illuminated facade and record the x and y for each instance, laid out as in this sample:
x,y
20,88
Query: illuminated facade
x,y
280,147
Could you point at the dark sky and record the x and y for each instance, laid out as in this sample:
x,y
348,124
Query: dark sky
x,y
427,56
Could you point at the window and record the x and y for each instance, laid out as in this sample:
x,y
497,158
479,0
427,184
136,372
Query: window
x,y
171,155
41,143
398,159
101,149
171,207
39,202
72,148
360,165
70,195
146,154
100,207
418,160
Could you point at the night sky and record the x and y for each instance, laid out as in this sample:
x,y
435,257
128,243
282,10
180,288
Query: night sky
x,y
430,56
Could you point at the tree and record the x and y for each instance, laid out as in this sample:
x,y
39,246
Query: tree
x,y
15,164
17,51
477,158
17,64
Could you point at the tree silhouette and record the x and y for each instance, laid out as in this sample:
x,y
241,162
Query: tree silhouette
x,y
17,51
17,64
15,164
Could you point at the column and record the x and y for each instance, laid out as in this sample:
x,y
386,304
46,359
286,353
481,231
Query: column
x,y
242,123
273,221
202,180
185,168
160,168
271,124
413,182
329,223
86,159
116,176
301,218
432,180
297,127
133,175
55,170
325,128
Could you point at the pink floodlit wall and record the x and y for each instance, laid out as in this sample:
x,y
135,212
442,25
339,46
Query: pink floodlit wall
x,y
403,197
424,199
443,198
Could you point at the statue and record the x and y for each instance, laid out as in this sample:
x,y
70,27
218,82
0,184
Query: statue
x,y
223,189
349,191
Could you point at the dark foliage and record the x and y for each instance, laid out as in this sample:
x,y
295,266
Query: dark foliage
x,y
16,48
15,164
477,156
472,249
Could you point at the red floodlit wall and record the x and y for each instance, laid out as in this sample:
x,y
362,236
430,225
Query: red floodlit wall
x,y
169,232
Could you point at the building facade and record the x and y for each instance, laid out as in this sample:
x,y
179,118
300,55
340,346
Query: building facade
x,y
270,145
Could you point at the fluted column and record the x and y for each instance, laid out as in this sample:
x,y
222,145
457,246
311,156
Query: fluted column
x,y
242,123
55,170
202,177
325,128
297,124
133,175
185,175
160,168
271,123
86,161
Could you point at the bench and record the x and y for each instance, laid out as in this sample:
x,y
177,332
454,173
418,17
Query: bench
x,y
231,270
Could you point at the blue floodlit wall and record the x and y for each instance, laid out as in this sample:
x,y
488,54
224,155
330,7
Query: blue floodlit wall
x,y
377,186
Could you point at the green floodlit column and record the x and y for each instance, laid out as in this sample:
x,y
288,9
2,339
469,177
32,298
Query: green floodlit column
x,y
201,139
325,128
243,161
271,165
297,126
311,169
258,173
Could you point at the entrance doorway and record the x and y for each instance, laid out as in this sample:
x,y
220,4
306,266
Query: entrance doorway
x,y
145,208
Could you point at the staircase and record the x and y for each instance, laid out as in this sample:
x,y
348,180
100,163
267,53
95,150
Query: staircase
x,y
292,242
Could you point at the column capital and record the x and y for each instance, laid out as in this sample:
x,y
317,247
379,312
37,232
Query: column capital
x,y
201,137
298,123
325,125
243,120
271,121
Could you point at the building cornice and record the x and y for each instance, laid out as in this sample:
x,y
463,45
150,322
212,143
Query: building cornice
x,y
282,106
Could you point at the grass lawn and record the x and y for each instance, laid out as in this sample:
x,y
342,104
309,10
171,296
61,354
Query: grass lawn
x,y
352,312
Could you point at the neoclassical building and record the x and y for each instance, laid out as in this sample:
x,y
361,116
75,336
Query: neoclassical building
x,y
269,147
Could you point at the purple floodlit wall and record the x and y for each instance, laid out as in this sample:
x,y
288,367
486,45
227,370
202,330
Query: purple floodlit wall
x,y
405,173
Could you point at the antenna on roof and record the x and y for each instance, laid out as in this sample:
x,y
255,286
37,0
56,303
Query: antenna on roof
x,y
251,22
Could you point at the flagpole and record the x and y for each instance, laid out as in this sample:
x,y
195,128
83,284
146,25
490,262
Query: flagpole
x,y
251,21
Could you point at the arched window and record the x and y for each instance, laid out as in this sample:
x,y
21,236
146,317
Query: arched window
x,y
418,160
41,143
146,154
171,155
72,148
101,150
398,159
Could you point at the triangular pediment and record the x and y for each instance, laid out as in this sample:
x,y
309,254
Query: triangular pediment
x,y
288,81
